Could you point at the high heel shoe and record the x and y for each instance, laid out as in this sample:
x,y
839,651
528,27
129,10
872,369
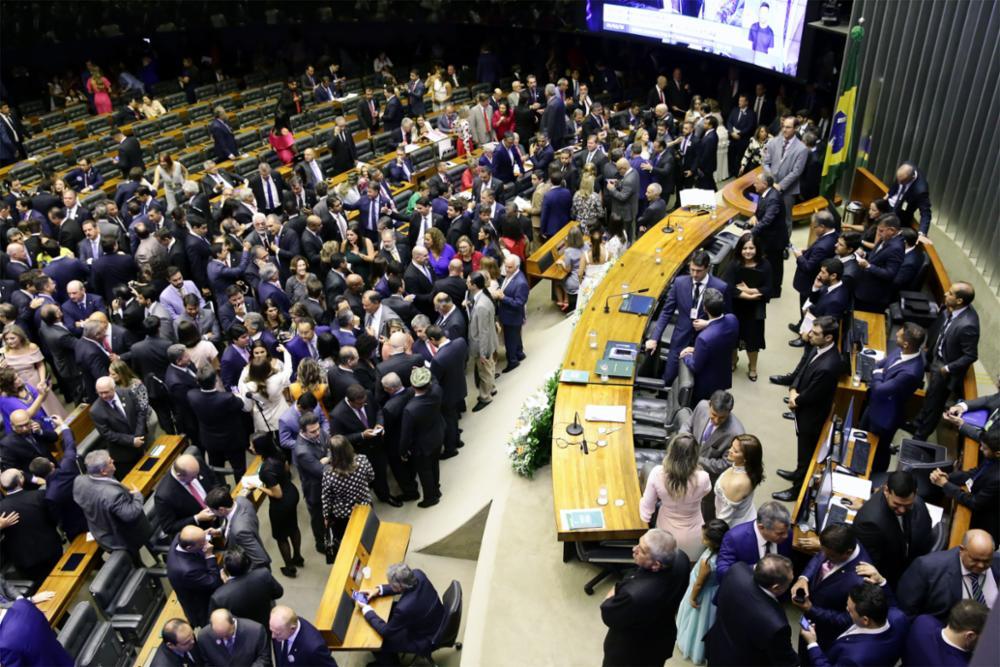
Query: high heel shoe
x,y
289,572
752,375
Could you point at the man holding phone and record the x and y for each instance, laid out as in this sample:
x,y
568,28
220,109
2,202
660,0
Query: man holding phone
x,y
359,420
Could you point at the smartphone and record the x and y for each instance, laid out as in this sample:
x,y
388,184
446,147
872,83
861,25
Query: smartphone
x,y
804,623
358,596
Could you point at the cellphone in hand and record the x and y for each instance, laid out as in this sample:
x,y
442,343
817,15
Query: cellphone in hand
x,y
804,623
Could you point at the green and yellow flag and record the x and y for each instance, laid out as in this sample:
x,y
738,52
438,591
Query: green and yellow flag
x,y
838,149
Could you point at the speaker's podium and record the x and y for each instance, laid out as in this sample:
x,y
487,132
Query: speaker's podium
x,y
367,550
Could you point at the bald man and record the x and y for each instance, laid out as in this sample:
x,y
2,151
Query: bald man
x,y
178,648
193,572
32,543
121,423
934,583
296,641
180,495
222,644
24,441
399,362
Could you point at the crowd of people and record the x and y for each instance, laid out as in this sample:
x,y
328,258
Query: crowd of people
x,y
264,316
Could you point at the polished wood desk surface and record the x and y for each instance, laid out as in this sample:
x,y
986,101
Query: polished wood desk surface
x,y
391,543
66,583
553,249
877,341
733,195
80,422
256,496
577,478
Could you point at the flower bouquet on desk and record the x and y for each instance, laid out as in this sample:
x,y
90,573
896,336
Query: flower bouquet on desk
x,y
530,444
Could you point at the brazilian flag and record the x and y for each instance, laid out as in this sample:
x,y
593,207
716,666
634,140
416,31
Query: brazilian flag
x,y
838,149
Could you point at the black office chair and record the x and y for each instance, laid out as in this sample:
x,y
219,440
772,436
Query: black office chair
x,y
447,632
131,596
612,556
159,541
92,641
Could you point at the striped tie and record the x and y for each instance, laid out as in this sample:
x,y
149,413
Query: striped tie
x,y
977,589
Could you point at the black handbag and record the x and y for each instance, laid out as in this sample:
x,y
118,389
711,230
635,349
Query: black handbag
x,y
332,544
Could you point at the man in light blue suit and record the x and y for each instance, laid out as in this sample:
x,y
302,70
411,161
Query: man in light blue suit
x,y
288,422
896,378
710,358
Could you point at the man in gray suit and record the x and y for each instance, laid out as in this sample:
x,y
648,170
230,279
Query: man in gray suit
x,y
481,121
714,426
785,158
114,513
483,341
624,194
242,526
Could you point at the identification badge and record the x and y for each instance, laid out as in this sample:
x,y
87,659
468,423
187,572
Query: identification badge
x,y
694,313
968,485
904,206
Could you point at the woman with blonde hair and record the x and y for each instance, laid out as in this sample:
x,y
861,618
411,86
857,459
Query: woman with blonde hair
x,y
439,251
588,208
309,379
27,361
491,267
440,89
125,378
172,175
566,291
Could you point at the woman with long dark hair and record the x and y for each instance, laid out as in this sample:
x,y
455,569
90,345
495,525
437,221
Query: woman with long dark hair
x,y
735,487
750,276
346,482
283,499
266,379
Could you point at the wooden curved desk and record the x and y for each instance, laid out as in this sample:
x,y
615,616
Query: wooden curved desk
x,y
576,477
734,195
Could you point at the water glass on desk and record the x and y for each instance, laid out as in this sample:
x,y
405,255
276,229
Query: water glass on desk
x,y
602,495
592,339
659,255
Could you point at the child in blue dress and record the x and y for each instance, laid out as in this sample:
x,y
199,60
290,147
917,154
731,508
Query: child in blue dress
x,y
696,617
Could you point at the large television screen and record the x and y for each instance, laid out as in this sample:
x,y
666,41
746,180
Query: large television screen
x,y
765,33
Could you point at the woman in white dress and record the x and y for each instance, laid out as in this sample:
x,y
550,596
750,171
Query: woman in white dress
x,y
617,238
594,264
268,379
172,175
736,485
440,89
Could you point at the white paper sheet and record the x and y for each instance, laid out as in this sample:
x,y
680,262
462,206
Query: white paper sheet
x,y
854,487
605,413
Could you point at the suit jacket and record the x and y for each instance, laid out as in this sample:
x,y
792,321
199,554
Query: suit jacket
x,y
750,626
712,452
883,648
164,657
61,346
367,113
59,489
401,364
812,174
250,596
786,165
708,156
178,383
483,341
74,312
149,356
680,301
933,583
30,640
130,155
85,251
807,264
175,506
960,348
816,385
223,140
454,325
925,645
917,197
194,577
118,430
654,213
557,206
480,125
34,541
257,187
110,270
78,179
306,456
889,391
829,596
740,546
624,198
712,358
448,367
64,269
251,647
414,620
418,284
511,308
309,648
243,528
982,498
422,431
834,302
93,362
553,121
891,546
114,515
503,163
640,615
770,227
199,253
344,151
875,284
909,270
392,116
220,417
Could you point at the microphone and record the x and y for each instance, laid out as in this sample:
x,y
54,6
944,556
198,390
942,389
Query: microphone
x,y
614,296
576,428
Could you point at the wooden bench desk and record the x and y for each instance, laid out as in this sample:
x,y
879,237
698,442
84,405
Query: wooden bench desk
x,y
544,262
734,195
389,547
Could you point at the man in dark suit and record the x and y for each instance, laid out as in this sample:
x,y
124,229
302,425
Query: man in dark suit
x,y
953,347
397,396
688,151
32,544
812,174
179,379
511,300
178,648
415,617
807,261
827,580
875,636
450,317
368,113
59,479
655,211
895,379
894,527
400,170
91,357
931,642
357,419
180,496
740,124
241,527
710,357
684,298
553,121
908,275
392,114
296,641
751,627
398,361
311,446
268,189
419,281
422,434
223,141
933,583
829,297
221,422
25,441
874,289
811,398
199,253
229,640
129,153
193,572
248,593
768,227
910,193
111,269
708,154
448,368
639,611
79,306
979,487
769,533
505,158
121,423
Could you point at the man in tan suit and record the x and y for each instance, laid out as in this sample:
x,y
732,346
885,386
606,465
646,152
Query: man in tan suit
x,y
483,341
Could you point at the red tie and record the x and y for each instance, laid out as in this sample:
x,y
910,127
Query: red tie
x,y
432,349
825,569
197,496
486,118
371,106
662,101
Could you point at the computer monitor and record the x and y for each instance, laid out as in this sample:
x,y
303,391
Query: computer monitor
x,y
824,449
848,423
921,459
823,496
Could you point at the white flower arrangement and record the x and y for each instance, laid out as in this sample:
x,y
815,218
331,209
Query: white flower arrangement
x,y
529,446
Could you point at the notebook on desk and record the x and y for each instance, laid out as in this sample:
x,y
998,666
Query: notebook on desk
x,y
582,519
615,368
637,304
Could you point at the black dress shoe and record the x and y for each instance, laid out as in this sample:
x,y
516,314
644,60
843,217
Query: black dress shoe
x,y
788,415
784,380
298,561
788,495
786,474
785,399
496,376
480,405
796,342
289,572
409,496
522,357
909,426
509,368
392,501
429,503
493,393
449,455
460,444
794,328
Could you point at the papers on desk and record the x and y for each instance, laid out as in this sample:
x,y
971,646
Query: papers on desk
x,y
156,451
522,204
935,512
409,148
346,98
698,198
582,519
852,487
605,413
575,377
250,481
90,536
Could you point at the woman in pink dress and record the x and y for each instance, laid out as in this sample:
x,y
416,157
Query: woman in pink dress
x,y
679,485
503,121
100,88
282,140
26,359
